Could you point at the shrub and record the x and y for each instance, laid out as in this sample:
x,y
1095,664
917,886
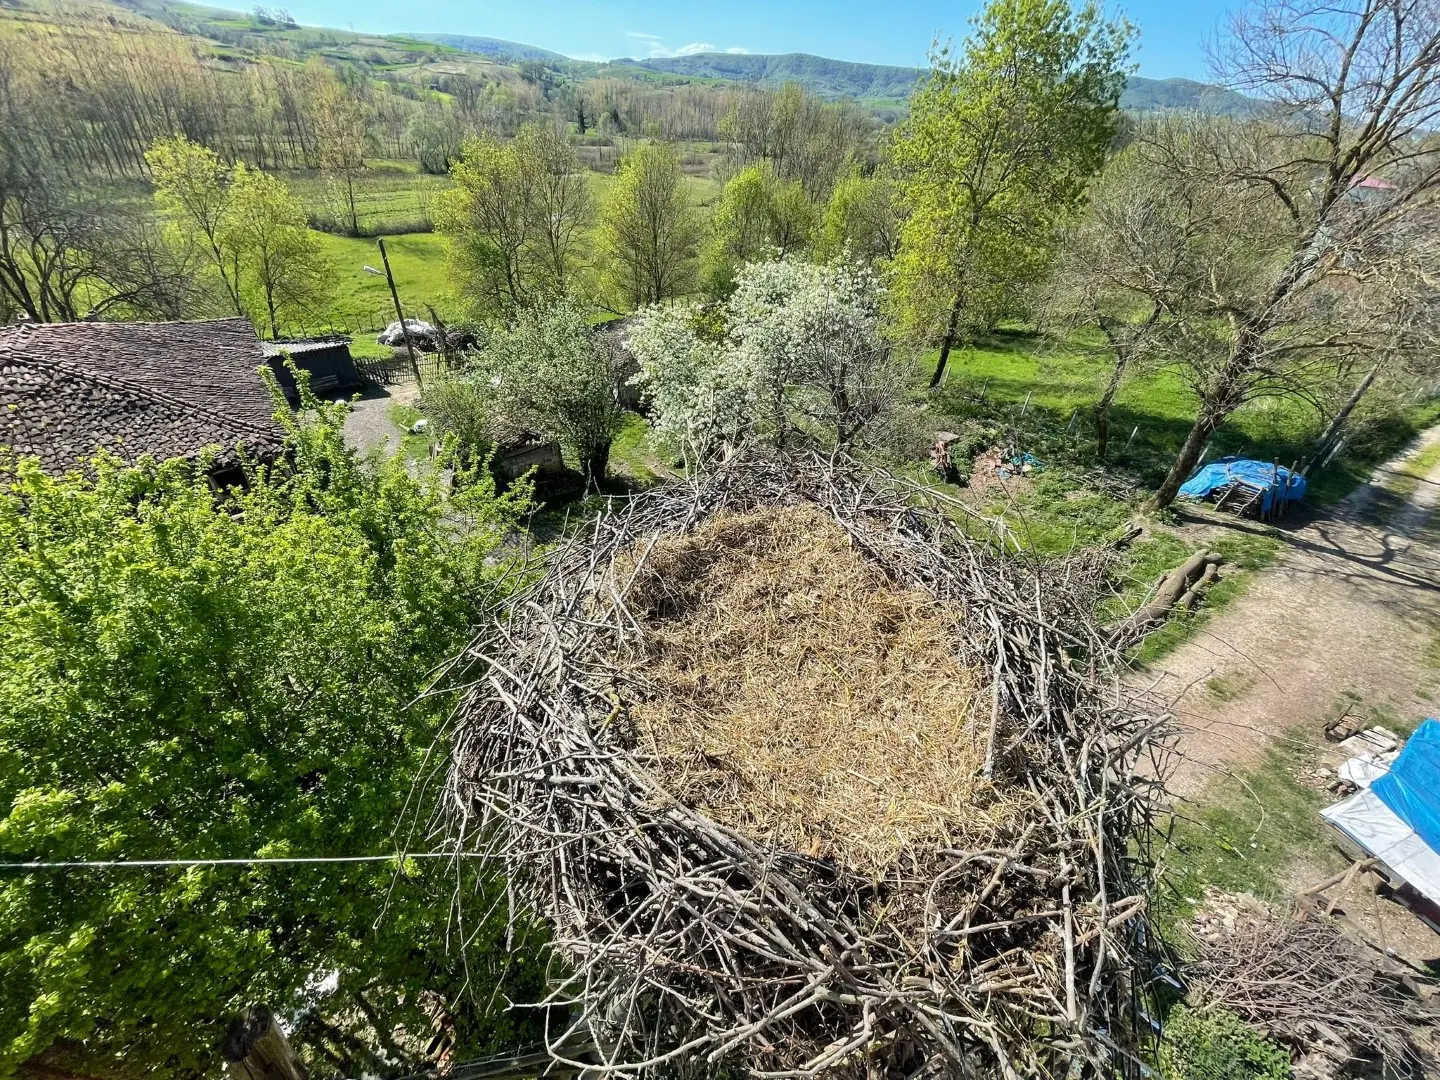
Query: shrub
x,y
1215,1044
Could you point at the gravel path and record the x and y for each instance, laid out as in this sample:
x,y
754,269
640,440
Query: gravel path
x,y
1352,607
368,427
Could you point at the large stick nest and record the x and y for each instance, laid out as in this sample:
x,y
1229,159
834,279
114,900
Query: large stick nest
x,y
806,779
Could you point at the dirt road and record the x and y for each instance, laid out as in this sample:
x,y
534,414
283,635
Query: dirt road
x,y
1350,613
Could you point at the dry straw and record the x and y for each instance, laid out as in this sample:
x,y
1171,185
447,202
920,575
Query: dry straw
x,y
806,780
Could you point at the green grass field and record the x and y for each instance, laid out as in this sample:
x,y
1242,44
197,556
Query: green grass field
x,y
1158,407
391,197
362,301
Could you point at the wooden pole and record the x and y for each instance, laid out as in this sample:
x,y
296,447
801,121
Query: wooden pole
x,y
256,1049
1344,414
404,330
444,335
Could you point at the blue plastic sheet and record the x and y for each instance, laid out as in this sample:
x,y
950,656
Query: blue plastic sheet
x,y
1412,786
1278,484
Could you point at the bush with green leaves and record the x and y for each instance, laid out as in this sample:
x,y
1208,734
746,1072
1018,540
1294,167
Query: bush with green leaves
x,y
192,676
548,372
1215,1044
461,408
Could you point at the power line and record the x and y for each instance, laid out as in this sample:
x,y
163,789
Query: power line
x,y
110,864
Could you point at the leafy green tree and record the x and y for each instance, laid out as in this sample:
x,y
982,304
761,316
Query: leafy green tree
x,y
515,219
862,217
549,372
192,190
648,232
185,681
759,216
285,274
1000,143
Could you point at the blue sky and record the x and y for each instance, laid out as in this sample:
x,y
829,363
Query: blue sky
x,y
875,31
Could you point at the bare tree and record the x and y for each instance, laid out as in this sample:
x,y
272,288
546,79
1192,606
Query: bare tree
x,y
1308,239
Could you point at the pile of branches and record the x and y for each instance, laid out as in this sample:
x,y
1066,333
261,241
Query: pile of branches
x,y
1298,979
688,945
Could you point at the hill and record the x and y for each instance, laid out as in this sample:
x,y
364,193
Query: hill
x,y
488,46
844,78
1151,95
821,76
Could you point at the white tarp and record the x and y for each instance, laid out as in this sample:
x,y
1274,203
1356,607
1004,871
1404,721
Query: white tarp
x,y
1376,829
1362,771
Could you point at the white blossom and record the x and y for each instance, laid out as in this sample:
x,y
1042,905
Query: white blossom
x,y
802,355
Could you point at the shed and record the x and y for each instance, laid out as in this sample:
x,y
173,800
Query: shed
x,y
327,359
168,390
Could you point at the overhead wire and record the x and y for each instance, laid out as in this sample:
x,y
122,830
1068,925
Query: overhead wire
x,y
278,860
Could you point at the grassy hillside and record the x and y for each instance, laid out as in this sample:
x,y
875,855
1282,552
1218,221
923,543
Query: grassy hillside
x,y
1149,95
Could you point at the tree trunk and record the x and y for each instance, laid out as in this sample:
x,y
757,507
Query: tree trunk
x,y
1344,414
947,343
256,1049
1185,461
1102,407
595,464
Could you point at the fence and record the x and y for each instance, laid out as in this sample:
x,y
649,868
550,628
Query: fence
x,y
396,370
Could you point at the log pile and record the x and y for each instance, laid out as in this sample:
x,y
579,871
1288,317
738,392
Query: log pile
x,y
697,932
1182,587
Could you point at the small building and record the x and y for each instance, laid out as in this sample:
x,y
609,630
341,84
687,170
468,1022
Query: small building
x,y
167,390
332,369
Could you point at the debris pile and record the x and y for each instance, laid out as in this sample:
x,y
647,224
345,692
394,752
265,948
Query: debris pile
x,y
1299,980
807,780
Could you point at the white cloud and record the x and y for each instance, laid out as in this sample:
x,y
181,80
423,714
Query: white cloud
x,y
659,50
738,50
594,57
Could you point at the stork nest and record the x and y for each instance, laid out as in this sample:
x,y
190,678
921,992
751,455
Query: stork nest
x,y
807,779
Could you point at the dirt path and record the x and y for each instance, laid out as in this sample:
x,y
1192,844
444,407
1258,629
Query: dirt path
x,y
1351,611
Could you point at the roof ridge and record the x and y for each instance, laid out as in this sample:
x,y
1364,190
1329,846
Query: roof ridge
x,y
115,382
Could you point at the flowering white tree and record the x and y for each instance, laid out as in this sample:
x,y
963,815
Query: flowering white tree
x,y
549,372
801,356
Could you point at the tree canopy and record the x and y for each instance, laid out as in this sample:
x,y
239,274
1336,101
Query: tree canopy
x,y
1001,140
179,681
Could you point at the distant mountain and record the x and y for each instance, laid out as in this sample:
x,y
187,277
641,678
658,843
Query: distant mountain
x,y
1152,95
843,78
487,46
826,78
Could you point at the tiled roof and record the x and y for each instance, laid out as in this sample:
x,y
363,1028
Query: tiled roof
x,y
300,348
165,389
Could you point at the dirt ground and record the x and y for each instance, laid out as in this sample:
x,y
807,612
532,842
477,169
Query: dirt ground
x,y
369,426
1349,616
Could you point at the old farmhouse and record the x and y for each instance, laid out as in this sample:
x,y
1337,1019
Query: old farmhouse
x,y
167,390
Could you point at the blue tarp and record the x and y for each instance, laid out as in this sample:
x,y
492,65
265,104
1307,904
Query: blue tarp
x,y
1278,485
1412,786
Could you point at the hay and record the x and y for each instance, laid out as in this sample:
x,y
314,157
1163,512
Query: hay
x,y
800,696
721,887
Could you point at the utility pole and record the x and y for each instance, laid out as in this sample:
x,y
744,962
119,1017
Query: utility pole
x,y
399,314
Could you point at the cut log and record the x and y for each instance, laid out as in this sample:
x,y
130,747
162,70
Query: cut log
x,y
256,1049
1207,578
1184,585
